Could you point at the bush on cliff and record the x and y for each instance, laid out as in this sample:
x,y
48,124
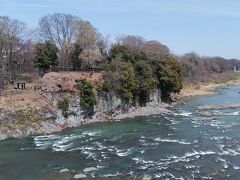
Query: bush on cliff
x,y
133,75
168,73
87,94
146,81
63,105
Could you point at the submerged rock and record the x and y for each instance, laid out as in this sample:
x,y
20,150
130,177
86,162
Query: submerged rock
x,y
90,169
79,176
211,113
203,118
218,107
64,170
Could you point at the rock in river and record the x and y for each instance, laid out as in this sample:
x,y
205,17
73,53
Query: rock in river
x,y
64,170
90,169
79,176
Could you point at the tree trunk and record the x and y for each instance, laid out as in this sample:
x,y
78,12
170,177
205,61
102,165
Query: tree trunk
x,y
1,69
1,74
11,64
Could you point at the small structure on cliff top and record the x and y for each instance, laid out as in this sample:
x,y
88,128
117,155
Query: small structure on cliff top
x,y
20,85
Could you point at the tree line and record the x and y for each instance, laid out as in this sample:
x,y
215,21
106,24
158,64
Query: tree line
x,y
133,66
199,68
61,41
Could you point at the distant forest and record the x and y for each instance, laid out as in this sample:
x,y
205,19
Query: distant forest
x,y
134,66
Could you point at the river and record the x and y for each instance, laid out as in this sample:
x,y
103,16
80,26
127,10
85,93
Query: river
x,y
185,145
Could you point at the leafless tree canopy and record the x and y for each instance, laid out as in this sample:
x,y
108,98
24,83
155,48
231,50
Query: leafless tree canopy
x,y
156,49
195,67
59,28
11,38
134,43
87,35
153,49
65,29
92,43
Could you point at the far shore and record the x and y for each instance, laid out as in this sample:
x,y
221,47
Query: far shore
x,y
203,89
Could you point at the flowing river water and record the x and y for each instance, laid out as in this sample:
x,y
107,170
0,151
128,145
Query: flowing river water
x,y
185,145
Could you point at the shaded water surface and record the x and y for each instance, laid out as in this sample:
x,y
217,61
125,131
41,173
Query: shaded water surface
x,y
185,145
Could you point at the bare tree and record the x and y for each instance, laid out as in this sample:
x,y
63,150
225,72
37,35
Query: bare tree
x,y
134,43
91,42
24,57
155,49
14,35
198,68
87,35
103,45
2,43
10,36
60,29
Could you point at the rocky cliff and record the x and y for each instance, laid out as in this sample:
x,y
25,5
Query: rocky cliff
x,y
30,120
35,110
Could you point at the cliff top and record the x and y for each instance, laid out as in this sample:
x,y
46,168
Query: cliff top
x,y
65,81
52,82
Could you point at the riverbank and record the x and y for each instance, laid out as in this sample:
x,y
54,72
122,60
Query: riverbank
x,y
203,89
21,121
36,124
194,144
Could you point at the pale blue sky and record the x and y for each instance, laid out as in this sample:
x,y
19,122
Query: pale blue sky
x,y
208,27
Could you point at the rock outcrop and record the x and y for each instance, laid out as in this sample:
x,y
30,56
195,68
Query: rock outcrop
x,y
48,119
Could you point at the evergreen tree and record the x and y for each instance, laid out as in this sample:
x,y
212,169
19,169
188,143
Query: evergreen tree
x,y
127,83
46,56
87,95
146,81
168,72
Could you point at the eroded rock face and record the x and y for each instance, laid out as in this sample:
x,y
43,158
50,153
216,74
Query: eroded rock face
x,y
155,97
3,136
50,119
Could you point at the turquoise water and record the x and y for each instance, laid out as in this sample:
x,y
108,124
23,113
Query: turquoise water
x,y
180,146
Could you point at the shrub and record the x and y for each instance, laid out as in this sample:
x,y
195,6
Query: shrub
x,y
27,115
146,81
127,83
87,94
63,105
168,72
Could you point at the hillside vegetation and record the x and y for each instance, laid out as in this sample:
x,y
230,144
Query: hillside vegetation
x,y
130,66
